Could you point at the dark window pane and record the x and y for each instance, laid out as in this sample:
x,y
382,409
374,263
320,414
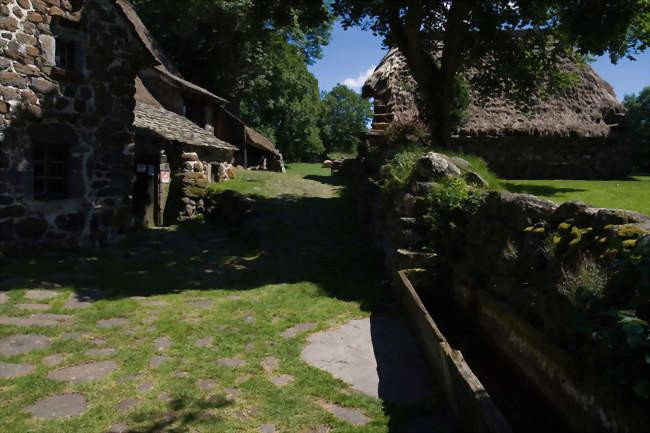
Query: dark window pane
x,y
39,152
39,186
39,169
56,186
65,54
50,172
56,170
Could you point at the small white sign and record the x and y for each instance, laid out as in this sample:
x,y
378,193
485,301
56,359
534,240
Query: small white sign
x,y
164,177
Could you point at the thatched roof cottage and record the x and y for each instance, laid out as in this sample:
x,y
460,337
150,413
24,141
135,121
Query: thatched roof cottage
x,y
569,135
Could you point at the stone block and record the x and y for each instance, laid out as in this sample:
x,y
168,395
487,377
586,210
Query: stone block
x,y
31,229
8,23
35,17
43,86
14,80
48,47
15,211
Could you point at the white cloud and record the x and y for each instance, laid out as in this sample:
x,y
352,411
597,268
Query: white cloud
x,y
357,83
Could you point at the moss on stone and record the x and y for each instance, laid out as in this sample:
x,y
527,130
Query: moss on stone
x,y
564,226
631,231
629,244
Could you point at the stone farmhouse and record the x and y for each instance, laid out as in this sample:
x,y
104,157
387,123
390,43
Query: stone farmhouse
x,y
568,135
67,79
99,133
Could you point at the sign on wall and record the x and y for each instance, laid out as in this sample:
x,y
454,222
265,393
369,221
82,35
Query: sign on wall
x,y
164,177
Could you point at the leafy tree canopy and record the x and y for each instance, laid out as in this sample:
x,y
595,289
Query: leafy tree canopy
x,y
637,127
345,115
284,103
217,43
514,45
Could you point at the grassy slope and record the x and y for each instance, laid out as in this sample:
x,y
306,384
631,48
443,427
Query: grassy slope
x,y
631,194
311,266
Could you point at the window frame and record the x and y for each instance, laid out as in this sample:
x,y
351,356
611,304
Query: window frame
x,y
50,164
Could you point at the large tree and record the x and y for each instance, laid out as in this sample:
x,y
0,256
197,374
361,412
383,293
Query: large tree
x,y
637,127
345,115
283,103
514,46
220,44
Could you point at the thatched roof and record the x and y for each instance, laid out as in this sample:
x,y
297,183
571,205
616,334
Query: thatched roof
x,y
166,66
156,121
257,140
586,110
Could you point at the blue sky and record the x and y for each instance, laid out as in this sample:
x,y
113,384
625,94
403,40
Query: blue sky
x,y
352,55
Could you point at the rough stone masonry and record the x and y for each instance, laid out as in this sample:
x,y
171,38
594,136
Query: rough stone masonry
x,y
67,69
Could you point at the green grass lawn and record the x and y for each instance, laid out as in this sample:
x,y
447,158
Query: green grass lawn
x,y
633,194
310,266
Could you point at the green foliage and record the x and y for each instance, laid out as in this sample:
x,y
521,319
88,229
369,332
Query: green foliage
x,y
285,103
345,114
409,134
636,128
584,286
218,43
396,173
514,47
479,166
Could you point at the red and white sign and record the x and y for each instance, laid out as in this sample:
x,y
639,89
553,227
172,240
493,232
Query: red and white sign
x,y
164,177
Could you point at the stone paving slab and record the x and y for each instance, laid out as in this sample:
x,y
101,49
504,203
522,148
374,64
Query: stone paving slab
x,y
54,359
83,373
351,416
118,428
282,380
33,307
204,342
301,327
145,387
231,362
27,321
23,343
3,298
157,361
162,343
8,371
41,294
101,352
128,404
269,364
58,406
266,428
154,303
378,357
206,384
114,322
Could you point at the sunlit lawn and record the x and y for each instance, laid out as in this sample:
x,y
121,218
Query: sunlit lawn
x,y
631,194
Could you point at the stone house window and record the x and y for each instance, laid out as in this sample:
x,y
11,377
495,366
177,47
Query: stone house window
x,y
65,54
50,171
195,112
68,49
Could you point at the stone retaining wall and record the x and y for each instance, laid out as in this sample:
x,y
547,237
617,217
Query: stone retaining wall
x,y
501,261
539,157
87,109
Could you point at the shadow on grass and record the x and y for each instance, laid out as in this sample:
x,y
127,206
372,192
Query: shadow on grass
x,y
182,413
308,239
304,239
541,190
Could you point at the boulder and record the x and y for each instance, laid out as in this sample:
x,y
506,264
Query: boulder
x,y
475,179
435,166
461,163
327,164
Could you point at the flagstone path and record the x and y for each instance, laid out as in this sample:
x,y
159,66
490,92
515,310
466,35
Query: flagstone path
x,y
270,347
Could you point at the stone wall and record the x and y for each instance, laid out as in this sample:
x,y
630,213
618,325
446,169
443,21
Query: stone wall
x,y
88,109
503,260
198,170
545,157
